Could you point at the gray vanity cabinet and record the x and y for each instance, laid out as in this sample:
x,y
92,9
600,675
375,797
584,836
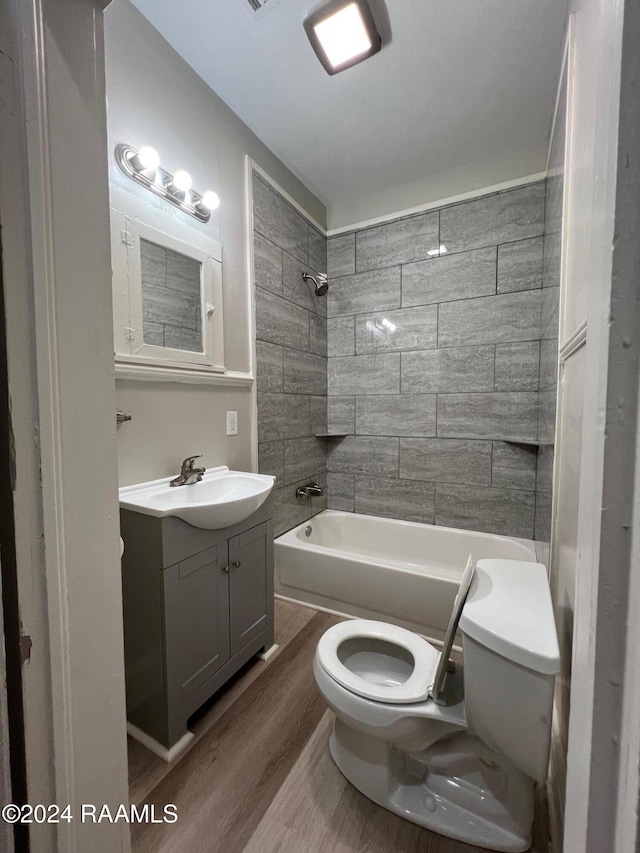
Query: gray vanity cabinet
x,y
248,586
198,604
196,592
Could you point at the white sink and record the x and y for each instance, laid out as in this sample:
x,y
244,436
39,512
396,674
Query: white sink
x,y
222,498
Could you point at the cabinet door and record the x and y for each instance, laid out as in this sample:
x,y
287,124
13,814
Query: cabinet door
x,y
196,620
250,585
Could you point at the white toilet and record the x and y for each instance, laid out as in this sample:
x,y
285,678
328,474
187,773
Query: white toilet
x,y
454,750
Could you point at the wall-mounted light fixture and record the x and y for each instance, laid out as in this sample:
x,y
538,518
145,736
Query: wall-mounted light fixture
x,y
342,33
144,168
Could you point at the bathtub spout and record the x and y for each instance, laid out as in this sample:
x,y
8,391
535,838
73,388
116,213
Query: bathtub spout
x,y
312,490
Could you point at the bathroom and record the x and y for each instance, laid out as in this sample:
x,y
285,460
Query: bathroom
x,y
436,382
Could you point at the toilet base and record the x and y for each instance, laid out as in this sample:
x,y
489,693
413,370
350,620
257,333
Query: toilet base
x,y
458,787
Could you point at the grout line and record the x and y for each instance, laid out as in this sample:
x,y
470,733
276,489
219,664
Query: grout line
x,y
491,468
495,352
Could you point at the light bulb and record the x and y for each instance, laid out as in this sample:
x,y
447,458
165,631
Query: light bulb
x,y
182,181
210,200
148,157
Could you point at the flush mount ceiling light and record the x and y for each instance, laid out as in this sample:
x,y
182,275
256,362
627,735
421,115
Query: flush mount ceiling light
x,y
342,33
144,168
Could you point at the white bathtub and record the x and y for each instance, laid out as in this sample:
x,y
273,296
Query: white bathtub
x,y
380,568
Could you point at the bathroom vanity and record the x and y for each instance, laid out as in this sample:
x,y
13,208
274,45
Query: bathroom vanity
x,y
198,604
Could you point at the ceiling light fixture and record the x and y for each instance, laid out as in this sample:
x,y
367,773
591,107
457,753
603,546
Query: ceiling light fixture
x,y
144,168
342,33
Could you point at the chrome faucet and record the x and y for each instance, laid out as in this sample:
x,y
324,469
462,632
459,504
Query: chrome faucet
x,y
188,474
312,490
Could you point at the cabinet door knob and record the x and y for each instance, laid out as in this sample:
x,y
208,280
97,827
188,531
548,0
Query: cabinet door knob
x,y
225,569
236,564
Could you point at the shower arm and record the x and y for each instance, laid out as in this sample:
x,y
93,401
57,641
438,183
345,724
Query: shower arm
x,y
318,280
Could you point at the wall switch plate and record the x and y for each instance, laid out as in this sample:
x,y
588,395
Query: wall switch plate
x,y
232,423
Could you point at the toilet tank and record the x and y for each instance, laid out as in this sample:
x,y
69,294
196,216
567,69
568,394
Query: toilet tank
x,y
511,658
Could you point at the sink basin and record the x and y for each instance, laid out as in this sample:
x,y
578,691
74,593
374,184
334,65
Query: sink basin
x,y
222,498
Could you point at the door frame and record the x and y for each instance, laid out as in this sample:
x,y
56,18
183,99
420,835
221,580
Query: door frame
x,y
62,388
12,751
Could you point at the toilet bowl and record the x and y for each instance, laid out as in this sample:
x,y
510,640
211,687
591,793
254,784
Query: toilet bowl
x,y
456,750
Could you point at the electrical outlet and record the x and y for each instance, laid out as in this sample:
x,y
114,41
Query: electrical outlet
x,y
232,423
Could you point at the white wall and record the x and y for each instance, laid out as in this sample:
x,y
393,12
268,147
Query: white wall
x,y
562,574
155,98
187,412
501,170
564,558
589,298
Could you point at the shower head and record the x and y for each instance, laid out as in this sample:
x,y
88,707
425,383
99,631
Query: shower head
x,y
320,281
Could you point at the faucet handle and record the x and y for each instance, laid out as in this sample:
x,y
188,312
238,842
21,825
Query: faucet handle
x,y
187,464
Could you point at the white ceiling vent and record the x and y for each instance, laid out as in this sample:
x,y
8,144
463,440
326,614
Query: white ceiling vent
x,y
259,5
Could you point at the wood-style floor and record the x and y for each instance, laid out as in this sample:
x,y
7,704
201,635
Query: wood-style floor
x,y
258,776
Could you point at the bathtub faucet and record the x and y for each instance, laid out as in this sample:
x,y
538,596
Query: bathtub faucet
x,y
312,490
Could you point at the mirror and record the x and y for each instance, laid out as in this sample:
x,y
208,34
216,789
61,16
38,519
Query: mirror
x,y
171,298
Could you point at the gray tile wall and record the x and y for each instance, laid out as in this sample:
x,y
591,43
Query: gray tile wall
x,y
436,365
440,370
291,347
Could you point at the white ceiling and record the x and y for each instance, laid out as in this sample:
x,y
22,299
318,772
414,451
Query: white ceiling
x,y
462,83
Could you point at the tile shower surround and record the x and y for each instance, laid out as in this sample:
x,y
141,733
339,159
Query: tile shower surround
x,y
427,404
434,361
291,349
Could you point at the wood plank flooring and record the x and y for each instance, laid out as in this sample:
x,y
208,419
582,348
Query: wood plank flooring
x,y
146,770
258,777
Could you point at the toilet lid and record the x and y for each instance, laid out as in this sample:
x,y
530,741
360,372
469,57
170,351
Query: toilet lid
x,y
418,666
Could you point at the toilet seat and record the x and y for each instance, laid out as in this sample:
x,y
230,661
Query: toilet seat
x,y
414,689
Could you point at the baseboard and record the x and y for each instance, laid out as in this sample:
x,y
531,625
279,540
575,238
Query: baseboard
x,y
268,653
156,748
